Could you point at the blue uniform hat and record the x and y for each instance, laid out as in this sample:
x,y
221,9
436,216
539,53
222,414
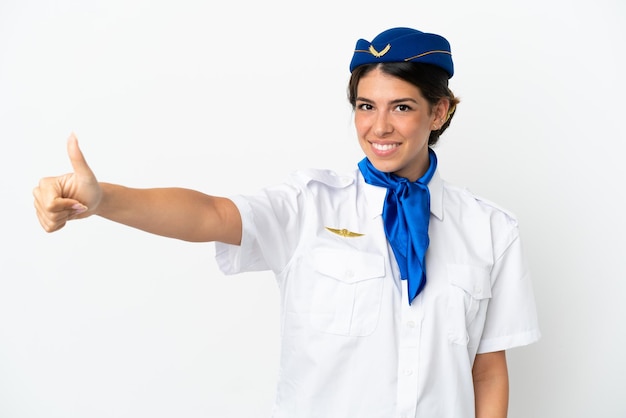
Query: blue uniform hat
x,y
404,45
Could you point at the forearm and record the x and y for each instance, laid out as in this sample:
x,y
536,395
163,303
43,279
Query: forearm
x,y
491,385
172,212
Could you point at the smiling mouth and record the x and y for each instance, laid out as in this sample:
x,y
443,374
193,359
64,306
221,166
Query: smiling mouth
x,y
384,147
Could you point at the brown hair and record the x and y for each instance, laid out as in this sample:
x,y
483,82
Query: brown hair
x,y
431,80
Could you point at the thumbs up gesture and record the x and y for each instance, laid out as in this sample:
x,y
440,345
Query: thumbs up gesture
x,y
71,196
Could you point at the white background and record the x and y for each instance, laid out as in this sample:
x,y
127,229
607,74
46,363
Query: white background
x,y
100,320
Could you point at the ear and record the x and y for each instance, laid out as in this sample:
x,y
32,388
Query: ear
x,y
440,113
441,110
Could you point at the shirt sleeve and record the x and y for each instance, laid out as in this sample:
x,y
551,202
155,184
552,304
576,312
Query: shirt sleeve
x,y
511,315
270,231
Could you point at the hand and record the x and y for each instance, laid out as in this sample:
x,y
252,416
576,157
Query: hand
x,y
71,196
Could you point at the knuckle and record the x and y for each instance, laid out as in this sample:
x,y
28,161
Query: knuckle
x,y
44,181
53,226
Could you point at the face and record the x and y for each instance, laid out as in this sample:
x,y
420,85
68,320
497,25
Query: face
x,y
393,122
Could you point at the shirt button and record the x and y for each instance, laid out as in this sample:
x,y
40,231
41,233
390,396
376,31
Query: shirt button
x,y
349,274
410,324
408,372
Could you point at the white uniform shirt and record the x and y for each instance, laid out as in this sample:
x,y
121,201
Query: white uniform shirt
x,y
351,344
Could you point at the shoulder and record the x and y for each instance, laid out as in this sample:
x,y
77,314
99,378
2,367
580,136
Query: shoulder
x,y
480,221
316,177
462,199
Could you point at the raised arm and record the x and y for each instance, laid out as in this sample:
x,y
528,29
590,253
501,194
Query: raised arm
x,y
172,212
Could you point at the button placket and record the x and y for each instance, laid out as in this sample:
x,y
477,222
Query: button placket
x,y
408,359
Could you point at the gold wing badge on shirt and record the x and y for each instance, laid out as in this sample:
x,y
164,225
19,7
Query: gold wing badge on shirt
x,y
344,232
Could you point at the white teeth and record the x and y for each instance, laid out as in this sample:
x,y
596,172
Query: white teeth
x,y
384,147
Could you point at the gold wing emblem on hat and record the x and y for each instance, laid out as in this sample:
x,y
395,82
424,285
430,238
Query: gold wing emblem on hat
x,y
344,232
381,53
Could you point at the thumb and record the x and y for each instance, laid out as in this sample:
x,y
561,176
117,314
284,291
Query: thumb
x,y
79,164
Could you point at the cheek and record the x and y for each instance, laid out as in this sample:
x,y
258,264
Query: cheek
x,y
361,125
418,127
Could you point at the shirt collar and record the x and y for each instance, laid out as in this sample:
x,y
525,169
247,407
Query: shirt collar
x,y
435,187
375,195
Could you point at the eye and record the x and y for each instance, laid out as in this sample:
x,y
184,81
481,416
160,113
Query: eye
x,y
403,107
364,106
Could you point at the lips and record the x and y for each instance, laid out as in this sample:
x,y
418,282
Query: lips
x,y
384,148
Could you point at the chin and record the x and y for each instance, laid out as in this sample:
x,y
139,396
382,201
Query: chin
x,y
384,167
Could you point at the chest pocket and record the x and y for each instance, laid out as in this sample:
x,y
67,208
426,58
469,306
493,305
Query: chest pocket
x,y
469,291
347,292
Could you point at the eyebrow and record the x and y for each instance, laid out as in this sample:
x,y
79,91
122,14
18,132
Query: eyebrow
x,y
394,101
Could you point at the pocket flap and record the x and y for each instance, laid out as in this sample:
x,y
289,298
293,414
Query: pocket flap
x,y
475,280
349,266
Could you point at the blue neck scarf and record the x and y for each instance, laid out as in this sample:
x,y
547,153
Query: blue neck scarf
x,y
406,213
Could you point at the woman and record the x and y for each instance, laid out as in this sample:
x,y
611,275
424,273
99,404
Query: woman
x,y
400,292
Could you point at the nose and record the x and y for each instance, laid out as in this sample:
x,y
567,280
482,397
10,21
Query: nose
x,y
382,125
